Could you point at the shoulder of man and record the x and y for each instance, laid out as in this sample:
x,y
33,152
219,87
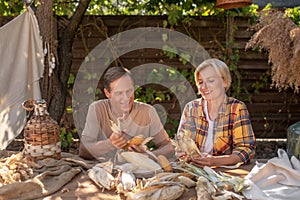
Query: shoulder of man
x,y
100,103
142,105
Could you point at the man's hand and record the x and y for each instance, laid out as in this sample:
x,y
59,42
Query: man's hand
x,y
136,149
118,140
144,150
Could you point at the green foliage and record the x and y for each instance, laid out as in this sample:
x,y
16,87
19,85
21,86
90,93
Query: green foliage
x,y
150,95
189,75
71,79
294,14
63,7
66,138
172,131
264,80
11,7
171,52
174,14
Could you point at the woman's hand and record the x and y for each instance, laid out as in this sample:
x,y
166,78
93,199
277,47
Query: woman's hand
x,y
180,155
201,161
118,140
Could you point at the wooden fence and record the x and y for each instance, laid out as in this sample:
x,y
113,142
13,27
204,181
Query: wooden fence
x,y
271,111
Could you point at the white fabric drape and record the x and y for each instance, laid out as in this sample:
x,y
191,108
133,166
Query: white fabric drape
x,y
21,67
278,179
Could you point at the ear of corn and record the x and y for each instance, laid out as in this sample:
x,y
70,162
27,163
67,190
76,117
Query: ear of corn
x,y
188,182
171,192
204,189
146,140
107,166
136,140
128,180
187,144
141,161
162,191
101,177
164,163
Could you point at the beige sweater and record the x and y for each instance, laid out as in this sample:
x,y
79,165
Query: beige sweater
x,y
143,119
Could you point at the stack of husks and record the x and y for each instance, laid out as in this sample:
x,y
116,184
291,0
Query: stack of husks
x,y
139,177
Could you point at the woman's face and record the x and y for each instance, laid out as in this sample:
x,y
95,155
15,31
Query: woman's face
x,y
210,84
121,95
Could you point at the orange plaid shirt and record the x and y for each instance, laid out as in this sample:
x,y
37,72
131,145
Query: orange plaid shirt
x,y
232,131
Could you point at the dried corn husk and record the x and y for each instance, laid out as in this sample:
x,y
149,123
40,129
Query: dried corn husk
x,y
164,163
204,189
161,191
188,182
161,177
107,166
217,185
186,144
16,168
116,127
101,177
141,161
171,192
128,180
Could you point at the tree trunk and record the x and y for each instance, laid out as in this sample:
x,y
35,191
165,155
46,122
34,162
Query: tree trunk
x,y
54,87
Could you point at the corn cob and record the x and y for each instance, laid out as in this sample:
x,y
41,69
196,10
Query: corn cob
x,y
101,177
187,144
171,192
137,140
164,163
188,182
162,191
141,161
204,189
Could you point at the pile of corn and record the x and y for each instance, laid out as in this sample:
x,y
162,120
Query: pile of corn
x,y
215,185
163,184
16,168
169,180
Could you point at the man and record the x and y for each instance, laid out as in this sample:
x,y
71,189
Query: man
x,y
98,140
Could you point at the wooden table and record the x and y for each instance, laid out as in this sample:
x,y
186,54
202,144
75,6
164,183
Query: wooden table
x,y
82,187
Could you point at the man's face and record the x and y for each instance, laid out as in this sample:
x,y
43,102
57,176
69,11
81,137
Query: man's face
x,y
121,95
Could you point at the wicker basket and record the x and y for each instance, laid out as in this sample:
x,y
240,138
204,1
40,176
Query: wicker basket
x,y
41,133
228,4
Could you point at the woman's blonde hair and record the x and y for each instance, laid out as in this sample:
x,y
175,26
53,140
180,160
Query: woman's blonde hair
x,y
220,67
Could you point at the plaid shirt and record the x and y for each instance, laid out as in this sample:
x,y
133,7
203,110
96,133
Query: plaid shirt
x,y
232,128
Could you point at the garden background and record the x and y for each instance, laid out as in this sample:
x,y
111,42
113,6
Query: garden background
x,y
223,35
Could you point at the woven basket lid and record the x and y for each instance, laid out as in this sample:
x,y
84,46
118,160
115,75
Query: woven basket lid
x,y
228,4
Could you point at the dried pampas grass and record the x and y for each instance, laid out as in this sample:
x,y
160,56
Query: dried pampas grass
x,y
280,37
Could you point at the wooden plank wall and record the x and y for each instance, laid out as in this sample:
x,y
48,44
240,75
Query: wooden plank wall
x,y
271,111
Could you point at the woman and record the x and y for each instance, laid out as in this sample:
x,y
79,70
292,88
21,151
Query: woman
x,y
219,124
